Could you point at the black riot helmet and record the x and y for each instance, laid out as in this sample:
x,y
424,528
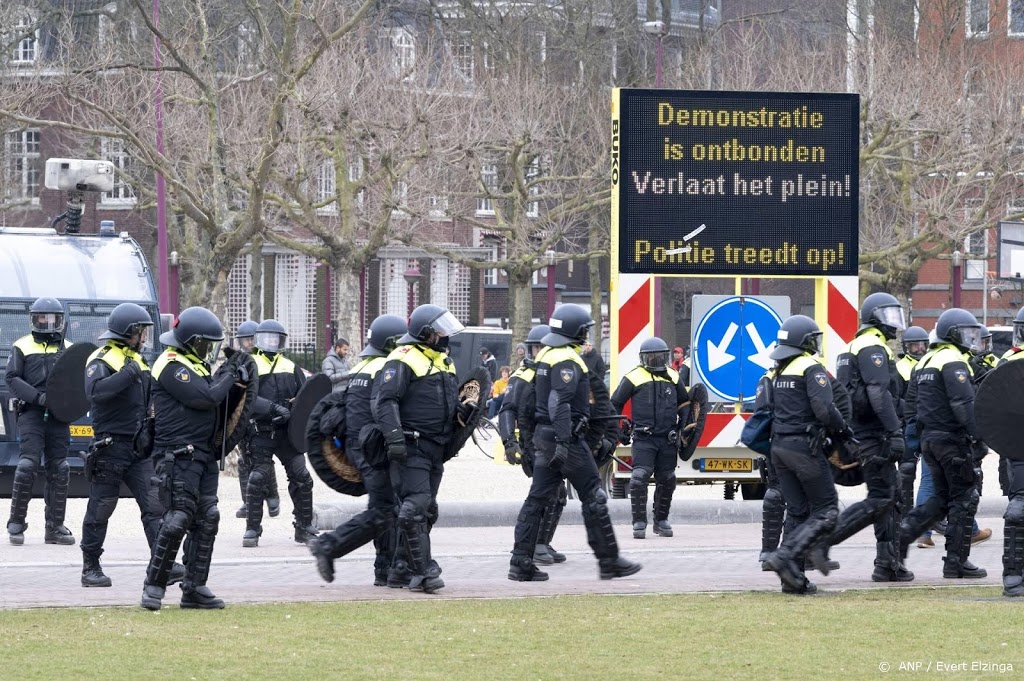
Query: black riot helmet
x,y
431,325
883,312
383,336
915,342
47,315
271,336
245,335
198,332
1018,329
798,334
959,327
534,338
570,325
654,354
984,346
126,321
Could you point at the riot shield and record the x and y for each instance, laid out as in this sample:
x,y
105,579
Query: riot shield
x,y
65,386
311,392
233,417
999,409
475,391
326,455
692,415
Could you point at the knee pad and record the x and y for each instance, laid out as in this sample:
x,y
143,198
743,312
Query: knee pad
x,y
26,468
597,502
1015,511
640,477
57,469
259,482
303,479
773,495
176,523
973,499
209,514
105,508
665,478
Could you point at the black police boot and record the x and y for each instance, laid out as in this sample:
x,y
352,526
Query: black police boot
x,y
956,569
773,512
818,555
639,530
661,527
663,490
430,581
958,547
557,556
177,574
399,575
638,503
324,561
58,534
380,577
16,532
888,567
241,512
251,538
274,506
541,555
305,533
1013,560
152,595
610,568
199,597
806,589
92,573
523,569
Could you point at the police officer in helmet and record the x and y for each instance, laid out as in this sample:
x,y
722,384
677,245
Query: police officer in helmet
x,y
43,439
915,344
944,396
117,383
656,392
562,394
279,383
1011,473
982,359
416,408
376,523
246,342
518,412
804,408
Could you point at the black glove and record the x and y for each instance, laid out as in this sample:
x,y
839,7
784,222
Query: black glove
x,y
242,374
847,434
979,450
397,452
132,369
625,431
897,445
281,414
464,412
560,456
41,400
513,453
604,452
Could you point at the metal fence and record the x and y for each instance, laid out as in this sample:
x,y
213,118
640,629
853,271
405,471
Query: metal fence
x,y
307,356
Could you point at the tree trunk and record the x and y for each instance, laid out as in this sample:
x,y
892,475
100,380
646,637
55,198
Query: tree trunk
x,y
350,321
256,280
520,292
596,290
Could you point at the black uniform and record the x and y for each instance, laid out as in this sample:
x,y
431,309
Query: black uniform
x,y
867,369
1013,518
563,391
117,382
44,439
417,397
773,507
803,405
944,403
186,399
908,464
656,397
519,410
279,383
377,522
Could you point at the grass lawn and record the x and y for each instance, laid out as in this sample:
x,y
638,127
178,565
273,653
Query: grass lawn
x,y
697,636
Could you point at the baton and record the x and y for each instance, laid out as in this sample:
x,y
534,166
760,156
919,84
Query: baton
x,y
224,437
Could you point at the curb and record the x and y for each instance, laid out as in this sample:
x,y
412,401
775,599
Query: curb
x,y
329,515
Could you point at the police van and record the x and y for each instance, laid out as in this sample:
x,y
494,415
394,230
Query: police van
x,y
89,275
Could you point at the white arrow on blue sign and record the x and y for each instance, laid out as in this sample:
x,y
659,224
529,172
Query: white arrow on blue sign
x,y
732,344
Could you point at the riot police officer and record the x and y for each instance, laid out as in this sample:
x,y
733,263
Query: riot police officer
x,y
915,345
562,394
1012,481
279,383
944,397
982,359
44,439
773,506
517,412
656,392
376,523
416,407
186,401
246,337
867,369
804,410
117,383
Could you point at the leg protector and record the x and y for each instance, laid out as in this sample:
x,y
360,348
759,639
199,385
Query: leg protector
x,y
773,511
58,473
24,479
272,493
552,514
664,488
255,492
858,516
175,524
527,530
200,546
600,533
638,495
244,470
958,536
1013,557
360,530
300,487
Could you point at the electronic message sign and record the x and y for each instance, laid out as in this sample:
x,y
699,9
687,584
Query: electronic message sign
x,y
735,183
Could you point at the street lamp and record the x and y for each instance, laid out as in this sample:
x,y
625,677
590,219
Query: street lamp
x,y
550,255
656,28
412,275
957,259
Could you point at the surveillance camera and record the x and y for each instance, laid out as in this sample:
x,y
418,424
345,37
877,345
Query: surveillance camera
x,y
72,174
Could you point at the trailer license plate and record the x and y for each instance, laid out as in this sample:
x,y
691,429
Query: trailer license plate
x,y
738,465
81,431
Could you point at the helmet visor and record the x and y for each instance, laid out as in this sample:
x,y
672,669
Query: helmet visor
x,y
47,322
970,336
268,341
915,349
892,316
205,349
447,325
812,343
1018,334
654,360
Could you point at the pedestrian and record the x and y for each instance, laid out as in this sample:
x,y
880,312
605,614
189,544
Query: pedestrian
x,y
117,383
656,395
376,523
245,340
186,401
489,362
279,383
563,404
518,357
337,365
44,440
498,392
416,407
944,396
804,413
592,358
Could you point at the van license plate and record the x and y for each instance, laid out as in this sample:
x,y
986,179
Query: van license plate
x,y
81,431
737,465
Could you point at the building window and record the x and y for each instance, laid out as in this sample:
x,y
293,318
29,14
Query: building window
x,y
113,150
977,17
23,164
491,275
403,48
462,56
489,179
437,206
490,61
26,40
1015,24
976,244
327,189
